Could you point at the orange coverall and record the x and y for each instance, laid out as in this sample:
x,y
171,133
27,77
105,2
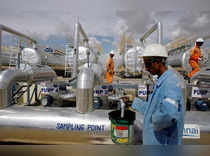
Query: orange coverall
x,y
195,53
110,70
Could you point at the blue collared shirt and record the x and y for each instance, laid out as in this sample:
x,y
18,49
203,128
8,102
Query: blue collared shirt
x,y
163,112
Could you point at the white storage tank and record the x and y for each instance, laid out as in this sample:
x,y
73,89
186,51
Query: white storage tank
x,y
82,57
133,63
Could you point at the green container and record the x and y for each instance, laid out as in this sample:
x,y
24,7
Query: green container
x,y
122,128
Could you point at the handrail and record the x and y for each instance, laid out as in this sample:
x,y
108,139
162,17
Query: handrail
x,y
10,30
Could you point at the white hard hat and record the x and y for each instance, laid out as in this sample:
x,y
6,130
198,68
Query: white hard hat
x,y
155,50
200,40
111,52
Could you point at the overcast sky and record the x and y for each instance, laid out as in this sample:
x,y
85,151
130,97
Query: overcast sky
x,y
105,20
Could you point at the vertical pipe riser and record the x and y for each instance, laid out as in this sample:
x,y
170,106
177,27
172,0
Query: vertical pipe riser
x,y
160,33
84,93
85,100
76,49
10,76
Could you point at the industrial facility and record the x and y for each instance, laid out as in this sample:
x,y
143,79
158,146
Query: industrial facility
x,y
62,97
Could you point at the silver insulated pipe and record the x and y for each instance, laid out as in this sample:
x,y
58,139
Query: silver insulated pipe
x,y
160,33
10,76
7,80
158,27
58,125
84,93
77,31
180,60
33,57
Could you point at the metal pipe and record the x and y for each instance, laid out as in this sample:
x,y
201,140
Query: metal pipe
x,y
87,79
151,30
58,125
7,29
180,60
0,49
0,41
85,38
39,57
160,33
84,93
7,80
77,30
148,33
10,76
122,106
41,73
87,53
76,49
10,30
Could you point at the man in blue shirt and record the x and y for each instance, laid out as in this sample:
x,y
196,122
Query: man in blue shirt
x,y
164,110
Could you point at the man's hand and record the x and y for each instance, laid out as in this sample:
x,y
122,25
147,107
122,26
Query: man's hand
x,y
131,109
125,98
200,58
110,72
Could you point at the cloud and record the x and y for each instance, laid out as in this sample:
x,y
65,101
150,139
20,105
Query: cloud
x,y
180,17
181,23
106,40
135,20
50,17
202,20
195,23
106,18
120,27
177,32
93,42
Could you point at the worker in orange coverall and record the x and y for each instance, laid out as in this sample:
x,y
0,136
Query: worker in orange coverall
x,y
195,55
110,68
